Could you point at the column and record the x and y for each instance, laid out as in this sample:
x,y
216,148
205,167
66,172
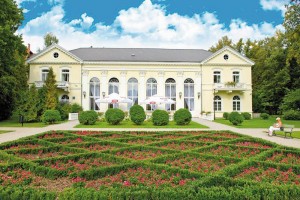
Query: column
x,y
179,90
103,88
198,92
123,89
85,90
142,88
161,87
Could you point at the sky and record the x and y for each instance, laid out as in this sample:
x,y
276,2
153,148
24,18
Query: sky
x,y
180,24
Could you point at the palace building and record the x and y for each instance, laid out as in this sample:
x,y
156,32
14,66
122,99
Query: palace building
x,y
196,79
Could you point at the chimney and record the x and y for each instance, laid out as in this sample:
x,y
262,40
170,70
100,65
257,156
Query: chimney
x,y
28,49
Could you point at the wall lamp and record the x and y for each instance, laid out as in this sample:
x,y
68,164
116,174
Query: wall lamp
x,y
180,95
84,94
103,94
199,94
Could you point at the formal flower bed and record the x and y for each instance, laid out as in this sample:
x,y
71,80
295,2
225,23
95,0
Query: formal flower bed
x,y
270,174
147,165
140,177
285,157
231,151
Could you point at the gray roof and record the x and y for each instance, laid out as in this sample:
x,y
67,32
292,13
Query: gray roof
x,y
141,54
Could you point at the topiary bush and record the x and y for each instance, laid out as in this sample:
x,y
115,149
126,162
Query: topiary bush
x,y
291,115
76,108
137,114
64,109
225,115
182,116
264,116
236,118
88,117
114,116
160,118
246,115
51,116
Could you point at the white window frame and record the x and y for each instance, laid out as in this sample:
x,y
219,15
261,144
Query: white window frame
x,y
218,79
217,103
96,85
152,85
62,74
236,75
190,97
44,74
236,103
131,84
169,84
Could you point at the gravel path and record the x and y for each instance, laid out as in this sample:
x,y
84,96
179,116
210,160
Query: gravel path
x,y
19,132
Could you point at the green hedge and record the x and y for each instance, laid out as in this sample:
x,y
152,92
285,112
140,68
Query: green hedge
x,y
182,116
51,116
114,116
160,118
137,114
88,117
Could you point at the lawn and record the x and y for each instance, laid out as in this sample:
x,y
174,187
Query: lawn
x,y
4,131
146,124
14,122
147,165
259,123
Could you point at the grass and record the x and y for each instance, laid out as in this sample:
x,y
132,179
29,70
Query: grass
x,y
129,124
4,131
259,123
14,122
295,134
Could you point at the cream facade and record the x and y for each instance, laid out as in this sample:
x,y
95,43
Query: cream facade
x,y
209,83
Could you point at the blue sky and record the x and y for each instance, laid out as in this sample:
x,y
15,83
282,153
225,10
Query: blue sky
x,y
148,23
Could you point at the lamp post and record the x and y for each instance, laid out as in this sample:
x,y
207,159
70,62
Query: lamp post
x,y
214,104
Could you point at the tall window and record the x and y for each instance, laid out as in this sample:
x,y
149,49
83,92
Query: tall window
x,y
65,75
94,93
189,94
217,103
113,86
170,92
151,89
45,74
236,103
217,77
236,76
64,98
132,91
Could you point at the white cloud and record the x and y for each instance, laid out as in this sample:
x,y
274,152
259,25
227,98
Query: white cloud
x,y
148,25
274,5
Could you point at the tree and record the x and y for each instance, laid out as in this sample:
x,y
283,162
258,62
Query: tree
x,y
291,101
28,104
13,74
50,39
51,91
224,41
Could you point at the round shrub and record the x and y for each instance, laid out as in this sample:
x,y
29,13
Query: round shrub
x,y
114,116
182,116
64,110
160,118
137,114
236,118
264,116
225,115
75,108
246,115
88,117
291,115
51,116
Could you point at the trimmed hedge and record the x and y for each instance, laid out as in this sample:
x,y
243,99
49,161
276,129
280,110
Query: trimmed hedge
x,y
235,118
137,114
88,117
225,115
182,116
160,118
114,116
264,116
51,116
246,115
291,115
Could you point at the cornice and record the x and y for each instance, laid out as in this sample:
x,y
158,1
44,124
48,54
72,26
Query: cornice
x,y
55,63
143,63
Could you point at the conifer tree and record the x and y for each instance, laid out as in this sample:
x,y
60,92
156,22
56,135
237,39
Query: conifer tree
x,y
51,100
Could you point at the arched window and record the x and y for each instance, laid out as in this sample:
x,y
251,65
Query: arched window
x,y
44,74
189,94
217,103
170,92
132,91
64,98
113,86
236,103
151,89
94,93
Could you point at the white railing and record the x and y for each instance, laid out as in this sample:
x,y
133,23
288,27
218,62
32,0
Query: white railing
x,y
60,84
226,86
